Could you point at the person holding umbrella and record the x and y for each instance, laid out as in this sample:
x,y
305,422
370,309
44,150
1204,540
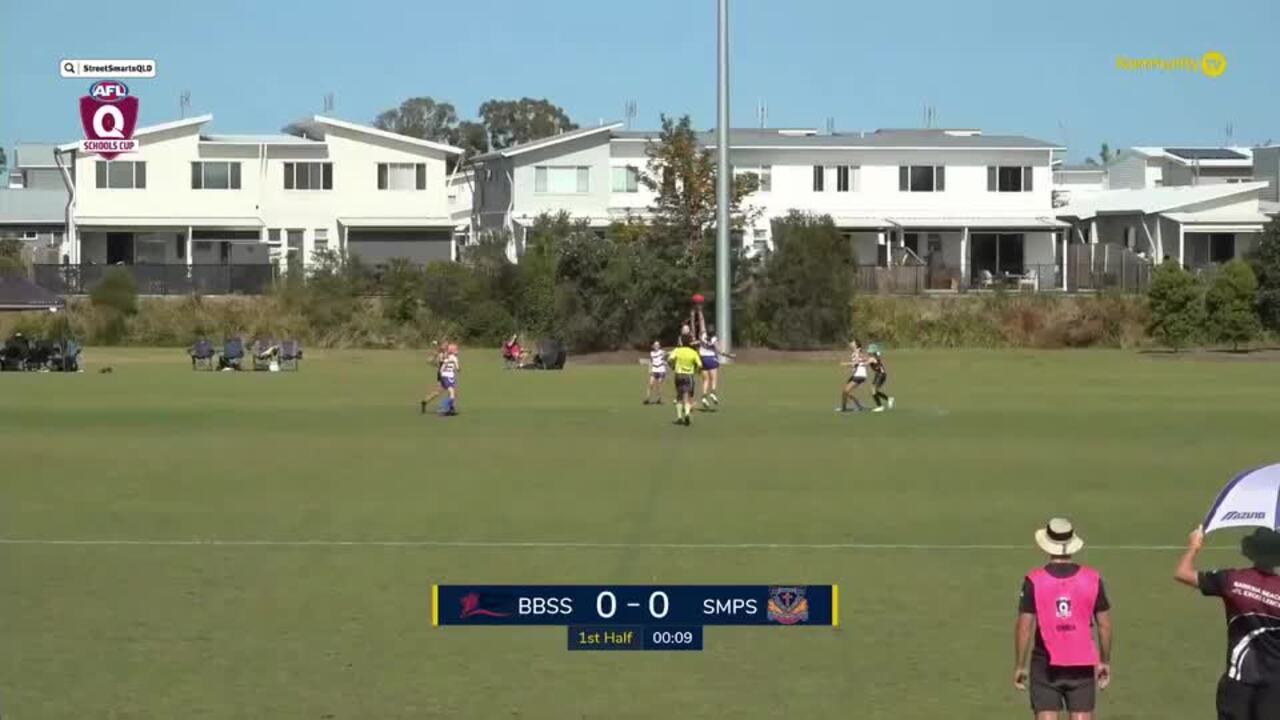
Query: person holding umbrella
x,y
1250,687
1063,600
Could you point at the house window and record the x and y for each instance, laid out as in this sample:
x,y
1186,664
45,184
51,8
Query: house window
x,y
121,175
819,178
29,235
402,176
626,179
760,240
846,178
922,178
180,247
273,235
308,176
766,178
1008,178
16,179
321,237
561,180
215,176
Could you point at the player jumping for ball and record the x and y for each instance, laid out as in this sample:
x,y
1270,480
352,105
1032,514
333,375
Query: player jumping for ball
x,y
686,363
657,373
858,363
709,351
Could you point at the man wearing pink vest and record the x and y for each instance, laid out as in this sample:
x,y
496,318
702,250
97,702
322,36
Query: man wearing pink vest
x,y
1063,601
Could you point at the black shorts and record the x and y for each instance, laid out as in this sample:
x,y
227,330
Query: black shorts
x,y
1056,688
856,380
684,384
880,379
1238,701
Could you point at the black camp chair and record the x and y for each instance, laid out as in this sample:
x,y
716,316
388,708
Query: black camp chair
x,y
202,355
551,355
14,356
232,354
41,353
290,355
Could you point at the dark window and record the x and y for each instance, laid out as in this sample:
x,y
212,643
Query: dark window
x,y
421,176
308,176
1009,179
1222,247
921,178
1026,179
904,178
842,178
992,182
382,176
940,178
100,173
180,247
197,178
819,178
912,242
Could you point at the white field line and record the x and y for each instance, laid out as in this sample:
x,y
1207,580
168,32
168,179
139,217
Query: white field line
x,y
553,545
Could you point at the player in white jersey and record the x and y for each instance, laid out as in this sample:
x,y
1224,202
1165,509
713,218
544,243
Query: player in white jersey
x,y
709,351
858,361
657,374
449,369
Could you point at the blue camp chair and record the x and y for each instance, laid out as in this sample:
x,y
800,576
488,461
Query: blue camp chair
x,y
232,354
70,360
202,355
290,355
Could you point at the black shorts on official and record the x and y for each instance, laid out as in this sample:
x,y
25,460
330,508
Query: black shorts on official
x,y
1238,701
1054,689
684,384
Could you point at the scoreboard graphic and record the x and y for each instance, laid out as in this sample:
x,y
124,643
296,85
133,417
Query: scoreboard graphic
x,y
635,617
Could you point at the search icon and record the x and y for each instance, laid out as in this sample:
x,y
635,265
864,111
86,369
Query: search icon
x,y
68,69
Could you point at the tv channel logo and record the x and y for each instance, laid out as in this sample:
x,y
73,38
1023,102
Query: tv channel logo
x,y
109,115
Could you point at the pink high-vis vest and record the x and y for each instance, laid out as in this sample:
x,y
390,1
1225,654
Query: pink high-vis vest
x,y
1064,613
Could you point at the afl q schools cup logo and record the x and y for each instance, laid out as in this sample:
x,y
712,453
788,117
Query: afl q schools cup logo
x,y
109,115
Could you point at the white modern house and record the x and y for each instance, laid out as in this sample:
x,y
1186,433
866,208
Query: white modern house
x,y
189,199
1145,167
967,208
1266,168
1197,225
33,206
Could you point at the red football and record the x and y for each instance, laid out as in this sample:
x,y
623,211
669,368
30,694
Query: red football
x,y
698,299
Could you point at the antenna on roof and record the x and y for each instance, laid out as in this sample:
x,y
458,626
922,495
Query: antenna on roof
x,y
1231,131
762,112
629,112
831,125
184,103
930,116
329,102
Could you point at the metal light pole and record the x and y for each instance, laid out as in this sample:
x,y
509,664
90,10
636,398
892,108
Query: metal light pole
x,y
724,176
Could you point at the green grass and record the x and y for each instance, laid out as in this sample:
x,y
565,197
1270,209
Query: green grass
x,y
983,448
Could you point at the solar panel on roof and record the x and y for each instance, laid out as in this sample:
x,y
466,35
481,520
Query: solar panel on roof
x,y
1206,154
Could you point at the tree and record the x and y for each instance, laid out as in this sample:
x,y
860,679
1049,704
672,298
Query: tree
x,y
511,122
4,162
1177,305
1229,305
472,137
1265,260
1106,155
683,174
11,260
421,117
807,290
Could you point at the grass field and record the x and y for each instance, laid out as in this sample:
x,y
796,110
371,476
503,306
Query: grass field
x,y
983,447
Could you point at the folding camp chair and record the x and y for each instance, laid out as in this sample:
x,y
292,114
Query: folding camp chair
x,y
202,355
264,353
290,355
232,354
14,355
41,353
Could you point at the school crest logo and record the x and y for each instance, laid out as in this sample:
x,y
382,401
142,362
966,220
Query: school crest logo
x,y
109,115
1063,607
788,605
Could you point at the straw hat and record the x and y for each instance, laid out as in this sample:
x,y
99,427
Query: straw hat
x,y
1059,538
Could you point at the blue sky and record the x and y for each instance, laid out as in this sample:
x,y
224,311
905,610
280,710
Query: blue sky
x,y
1047,70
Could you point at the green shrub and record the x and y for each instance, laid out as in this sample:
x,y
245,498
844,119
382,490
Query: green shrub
x,y
1177,305
487,323
1229,305
117,291
1265,260
807,284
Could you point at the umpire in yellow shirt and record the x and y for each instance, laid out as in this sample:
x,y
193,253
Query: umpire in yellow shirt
x,y
686,363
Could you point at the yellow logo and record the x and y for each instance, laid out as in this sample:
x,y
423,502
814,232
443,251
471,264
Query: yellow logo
x,y
1213,63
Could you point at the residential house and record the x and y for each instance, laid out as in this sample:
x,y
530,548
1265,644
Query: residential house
x,y
33,206
1266,168
965,207
193,210
1145,167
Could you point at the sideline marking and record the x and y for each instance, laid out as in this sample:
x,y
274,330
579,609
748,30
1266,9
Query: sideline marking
x,y
551,544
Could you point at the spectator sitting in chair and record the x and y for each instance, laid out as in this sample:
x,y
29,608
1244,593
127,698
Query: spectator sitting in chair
x,y
512,353
271,353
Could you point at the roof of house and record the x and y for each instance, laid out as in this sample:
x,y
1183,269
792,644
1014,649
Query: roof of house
x,y
1233,156
19,293
1154,199
34,155
548,141
257,139
152,129
904,139
1080,168
323,121
28,206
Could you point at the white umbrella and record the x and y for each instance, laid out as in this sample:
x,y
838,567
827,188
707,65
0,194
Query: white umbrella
x,y
1251,499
